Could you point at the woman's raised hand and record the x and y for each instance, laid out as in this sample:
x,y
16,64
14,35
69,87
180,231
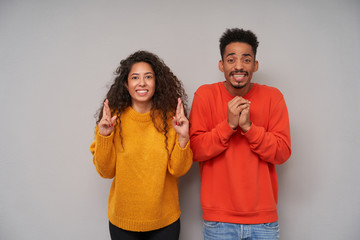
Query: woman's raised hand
x,y
106,124
181,124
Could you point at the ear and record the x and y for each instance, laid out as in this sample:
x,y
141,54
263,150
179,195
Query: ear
x,y
221,66
256,67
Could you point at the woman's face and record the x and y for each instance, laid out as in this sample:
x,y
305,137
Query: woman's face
x,y
141,86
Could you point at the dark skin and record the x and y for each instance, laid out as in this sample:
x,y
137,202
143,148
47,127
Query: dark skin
x,y
180,123
141,86
238,65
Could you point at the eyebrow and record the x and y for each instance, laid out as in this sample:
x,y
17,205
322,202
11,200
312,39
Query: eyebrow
x,y
144,73
244,55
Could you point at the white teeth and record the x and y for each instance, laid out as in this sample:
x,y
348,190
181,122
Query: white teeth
x,y
142,91
239,76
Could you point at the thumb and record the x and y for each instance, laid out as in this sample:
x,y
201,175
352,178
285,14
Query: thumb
x,y
174,121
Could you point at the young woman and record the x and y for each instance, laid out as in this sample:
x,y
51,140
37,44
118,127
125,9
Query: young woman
x,y
142,142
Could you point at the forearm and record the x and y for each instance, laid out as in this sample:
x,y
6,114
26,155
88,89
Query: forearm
x,y
183,141
209,144
272,144
210,131
181,159
104,157
271,147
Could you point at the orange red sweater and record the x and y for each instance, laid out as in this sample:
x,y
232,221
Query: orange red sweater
x,y
238,177
144,191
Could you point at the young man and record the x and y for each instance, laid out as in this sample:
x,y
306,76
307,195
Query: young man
x,y
239,132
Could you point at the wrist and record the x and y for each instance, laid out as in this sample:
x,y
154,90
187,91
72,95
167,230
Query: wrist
x,y
232,126
104,134
246,127
183,141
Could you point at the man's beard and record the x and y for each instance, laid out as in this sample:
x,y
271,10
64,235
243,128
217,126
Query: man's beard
x,y
237,86
238,72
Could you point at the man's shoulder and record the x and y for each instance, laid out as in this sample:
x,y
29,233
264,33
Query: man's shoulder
x,y
208,88
269,90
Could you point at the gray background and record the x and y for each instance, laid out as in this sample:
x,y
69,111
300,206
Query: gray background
x,y
57,61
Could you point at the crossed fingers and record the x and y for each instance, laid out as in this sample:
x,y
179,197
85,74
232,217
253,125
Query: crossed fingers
x,y
106,124
180,113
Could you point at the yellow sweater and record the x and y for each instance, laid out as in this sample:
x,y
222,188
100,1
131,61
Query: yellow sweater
x,y
144,191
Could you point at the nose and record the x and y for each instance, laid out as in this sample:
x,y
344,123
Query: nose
x,y
142,81
238,65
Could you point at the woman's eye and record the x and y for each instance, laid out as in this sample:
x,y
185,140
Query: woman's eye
x,y
149,77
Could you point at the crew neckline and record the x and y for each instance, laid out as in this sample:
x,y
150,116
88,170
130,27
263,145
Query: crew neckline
x,y
142,117
246,96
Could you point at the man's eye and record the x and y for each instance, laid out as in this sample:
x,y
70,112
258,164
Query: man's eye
x,y
247,60
230,60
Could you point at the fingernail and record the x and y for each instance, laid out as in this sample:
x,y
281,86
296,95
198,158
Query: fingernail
x,y
112,124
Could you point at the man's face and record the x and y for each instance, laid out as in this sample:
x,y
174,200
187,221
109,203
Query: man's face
x,y
238,65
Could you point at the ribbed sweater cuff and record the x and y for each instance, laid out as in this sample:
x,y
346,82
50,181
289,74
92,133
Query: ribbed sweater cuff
x,y
225,131
253,134
104,142
186,146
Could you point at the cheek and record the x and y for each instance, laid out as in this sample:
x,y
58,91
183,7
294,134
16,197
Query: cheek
x,y
227,71
228,68
153,86
130,85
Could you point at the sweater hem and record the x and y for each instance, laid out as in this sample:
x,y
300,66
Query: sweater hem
x,y
240,217
143,226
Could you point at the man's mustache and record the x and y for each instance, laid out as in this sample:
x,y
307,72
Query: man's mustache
x,y
238,72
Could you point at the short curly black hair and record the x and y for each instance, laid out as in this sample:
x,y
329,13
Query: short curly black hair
x,y
238,35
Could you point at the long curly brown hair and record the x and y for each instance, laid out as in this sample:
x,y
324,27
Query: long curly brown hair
x,y
168,88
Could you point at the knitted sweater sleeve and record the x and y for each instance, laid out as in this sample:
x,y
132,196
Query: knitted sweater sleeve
x,y
207,142
180,160
104,157
272,145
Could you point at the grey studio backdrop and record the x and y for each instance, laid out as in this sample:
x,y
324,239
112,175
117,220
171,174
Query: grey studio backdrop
x,y
57,60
